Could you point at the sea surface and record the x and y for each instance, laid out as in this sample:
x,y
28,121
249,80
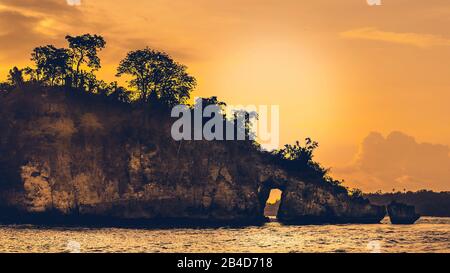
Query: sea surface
x,y
427,235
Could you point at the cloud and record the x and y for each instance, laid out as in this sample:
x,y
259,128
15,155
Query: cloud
x,y
398,161
17,37
25,24
406,38
47,7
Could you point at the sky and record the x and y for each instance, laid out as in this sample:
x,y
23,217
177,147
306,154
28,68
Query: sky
x,y
371,84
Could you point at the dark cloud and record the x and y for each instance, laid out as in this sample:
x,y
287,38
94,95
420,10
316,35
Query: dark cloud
x,y
399,161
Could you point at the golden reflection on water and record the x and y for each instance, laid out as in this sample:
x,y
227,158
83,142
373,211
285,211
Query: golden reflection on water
x,y
428,235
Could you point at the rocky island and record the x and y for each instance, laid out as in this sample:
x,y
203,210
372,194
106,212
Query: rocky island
x,y
73,155
75,149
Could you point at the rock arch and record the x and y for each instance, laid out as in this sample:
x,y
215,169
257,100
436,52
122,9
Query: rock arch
x,y
271,178
314,203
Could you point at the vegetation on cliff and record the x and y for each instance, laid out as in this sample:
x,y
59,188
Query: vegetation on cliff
x,y
63,124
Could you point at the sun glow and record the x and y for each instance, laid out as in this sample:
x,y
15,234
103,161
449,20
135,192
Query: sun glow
x,y
277,71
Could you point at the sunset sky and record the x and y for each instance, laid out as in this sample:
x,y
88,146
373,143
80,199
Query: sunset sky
x,y
370,83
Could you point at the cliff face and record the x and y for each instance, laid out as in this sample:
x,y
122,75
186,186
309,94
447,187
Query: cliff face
x,y
85,156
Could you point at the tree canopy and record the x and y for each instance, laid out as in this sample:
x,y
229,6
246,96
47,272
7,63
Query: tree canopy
x,y
155,74
15,76
84,51
52,64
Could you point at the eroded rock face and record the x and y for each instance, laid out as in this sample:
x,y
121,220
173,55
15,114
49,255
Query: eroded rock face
x,y
309,203
402,214
304,203
75,156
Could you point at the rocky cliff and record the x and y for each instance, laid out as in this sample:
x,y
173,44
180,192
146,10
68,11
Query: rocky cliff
x,y
80,155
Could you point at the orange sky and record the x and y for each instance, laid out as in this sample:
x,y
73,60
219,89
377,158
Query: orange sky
x,y
339,69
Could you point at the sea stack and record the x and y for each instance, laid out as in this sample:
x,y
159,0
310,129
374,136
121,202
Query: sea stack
x,y
402,214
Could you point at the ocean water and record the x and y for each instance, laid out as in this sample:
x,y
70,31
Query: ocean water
x,y
427,235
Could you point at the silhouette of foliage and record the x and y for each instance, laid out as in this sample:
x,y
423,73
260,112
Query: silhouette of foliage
x,y
32,74
212,101
300,160
157,75
118,93
246,126
15,77
357,194
239,121
73,68
52,64
302,154
84,51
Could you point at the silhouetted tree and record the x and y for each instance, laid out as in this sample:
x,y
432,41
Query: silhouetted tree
x,y
53,63
15,77
33,74
156,73
299,159
90,83
84,51
300,153
246,126
118,93
202,103
73,67
213,101
357,194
